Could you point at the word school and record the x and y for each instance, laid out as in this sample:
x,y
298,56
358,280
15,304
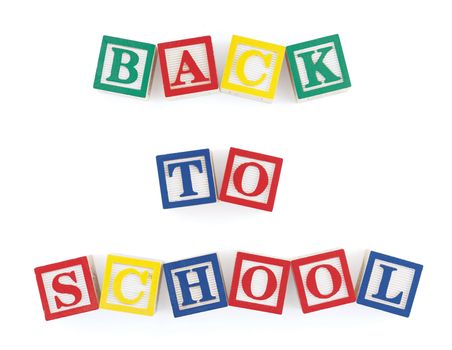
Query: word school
x,y
196,284
316,67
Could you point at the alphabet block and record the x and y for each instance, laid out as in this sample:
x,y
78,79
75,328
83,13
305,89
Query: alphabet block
x,y
195,285
389,284
186,178
259,283
252,68
323,281
251,179
125,67
317,67
67,288
130,285
188,66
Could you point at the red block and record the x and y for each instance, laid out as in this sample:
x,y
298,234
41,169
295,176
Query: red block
x,y
259,283
67,288
188,66
251,179
323,281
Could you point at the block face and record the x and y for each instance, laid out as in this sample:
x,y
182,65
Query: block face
x,y
259,283
323,281
252,68
251,179
130,285
125,66
67,288
389,284
317,67
186,178
195,285
188,66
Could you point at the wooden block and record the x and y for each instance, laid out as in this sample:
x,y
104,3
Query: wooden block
x,y
125,67
130,285
389,284
195,285
251,179
317,67
188,66
186,178
259,283
67,288
323,281
252,68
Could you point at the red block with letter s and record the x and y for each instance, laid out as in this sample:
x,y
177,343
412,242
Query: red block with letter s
x,y
67,288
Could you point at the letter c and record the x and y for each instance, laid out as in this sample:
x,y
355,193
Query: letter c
x,y
117,285
241,61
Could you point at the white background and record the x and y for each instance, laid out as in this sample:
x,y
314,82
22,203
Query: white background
x,y
366,169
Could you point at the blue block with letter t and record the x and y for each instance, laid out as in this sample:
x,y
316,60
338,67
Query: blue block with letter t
x,y
186,178
195,285
389,284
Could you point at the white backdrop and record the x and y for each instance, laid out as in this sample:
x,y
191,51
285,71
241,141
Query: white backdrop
x,y
366,169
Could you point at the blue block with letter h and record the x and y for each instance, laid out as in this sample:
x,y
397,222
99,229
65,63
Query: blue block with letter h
x,y
389,284
186,178
195,285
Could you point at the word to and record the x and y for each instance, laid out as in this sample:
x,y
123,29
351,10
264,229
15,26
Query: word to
x,y
317,67
196,284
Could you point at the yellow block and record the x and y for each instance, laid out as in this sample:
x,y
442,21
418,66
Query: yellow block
x,y
130,285
252,68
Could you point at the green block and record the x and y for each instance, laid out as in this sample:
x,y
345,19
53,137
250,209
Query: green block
x,y
317,67
125,67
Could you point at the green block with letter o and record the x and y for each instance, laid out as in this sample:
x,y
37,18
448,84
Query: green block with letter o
x,y
125,66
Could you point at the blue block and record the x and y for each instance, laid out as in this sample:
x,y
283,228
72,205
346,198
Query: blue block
x,y
389,284
186,178
195,285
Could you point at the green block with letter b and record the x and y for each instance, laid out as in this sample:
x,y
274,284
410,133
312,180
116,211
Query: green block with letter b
x,y
317,67
125,67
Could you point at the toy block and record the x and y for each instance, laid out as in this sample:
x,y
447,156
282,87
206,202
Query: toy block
x,y
259,283
125,67
323,281
389,284
252,68
130,285
251,179
317,67
188,66
186,178
195,285
67,288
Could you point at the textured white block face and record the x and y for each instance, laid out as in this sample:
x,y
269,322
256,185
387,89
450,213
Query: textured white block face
x,y
251,179
123,71
131,286
47,279
259,283
324,281
254,68
173,58
330,60
195,291
401,281
200,181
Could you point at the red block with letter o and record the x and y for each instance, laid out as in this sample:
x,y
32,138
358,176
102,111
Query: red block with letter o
x,y
323,281
67,288
188,66
259,283
251,179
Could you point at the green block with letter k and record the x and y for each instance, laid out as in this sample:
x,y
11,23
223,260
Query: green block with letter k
x,y
125,67
317,67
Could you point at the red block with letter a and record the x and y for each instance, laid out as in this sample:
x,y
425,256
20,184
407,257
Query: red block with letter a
x,y
259,283
251,179
188,66
323,281
67,288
